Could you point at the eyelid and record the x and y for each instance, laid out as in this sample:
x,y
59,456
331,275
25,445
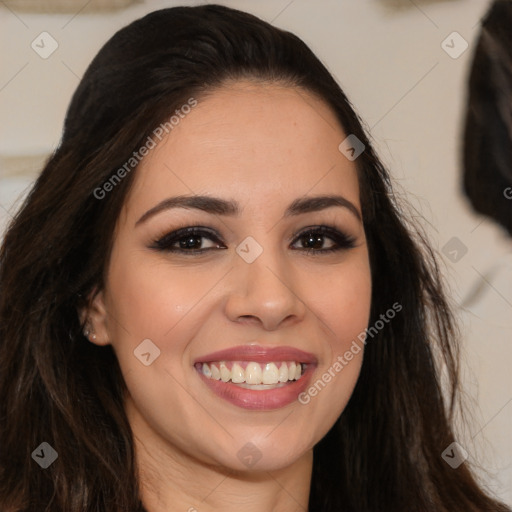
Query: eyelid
x,y
160,242
327,228
341,239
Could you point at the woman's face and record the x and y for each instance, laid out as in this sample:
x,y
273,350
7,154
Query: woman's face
x,y
276,273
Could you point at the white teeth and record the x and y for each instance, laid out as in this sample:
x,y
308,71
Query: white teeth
x,y
237,374
225,374
283,373
270,374
255,374
207,371
215,372
261,386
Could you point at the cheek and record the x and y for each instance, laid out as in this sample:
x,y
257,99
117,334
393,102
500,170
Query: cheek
x,y
150,300
342,306
154,309
342,303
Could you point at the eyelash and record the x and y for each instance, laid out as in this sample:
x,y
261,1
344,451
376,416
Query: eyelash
x,y
164,244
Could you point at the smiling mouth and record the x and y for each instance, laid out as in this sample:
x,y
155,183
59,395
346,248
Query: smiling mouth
x,y
253,375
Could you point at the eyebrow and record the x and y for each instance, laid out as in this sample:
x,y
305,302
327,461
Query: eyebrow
x,y
219,206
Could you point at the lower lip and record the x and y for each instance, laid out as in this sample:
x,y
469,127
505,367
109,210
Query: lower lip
x,y
262,400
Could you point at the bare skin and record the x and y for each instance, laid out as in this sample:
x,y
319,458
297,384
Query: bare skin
x,y
262,146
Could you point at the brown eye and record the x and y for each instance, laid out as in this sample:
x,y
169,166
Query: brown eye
x,y
313,240
189,240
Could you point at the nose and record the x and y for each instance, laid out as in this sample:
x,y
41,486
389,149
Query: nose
x,y
264,292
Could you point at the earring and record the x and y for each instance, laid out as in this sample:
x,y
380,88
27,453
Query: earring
x,y
89,335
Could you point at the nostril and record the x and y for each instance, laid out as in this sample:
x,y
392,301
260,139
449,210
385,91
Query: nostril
x,y
247,319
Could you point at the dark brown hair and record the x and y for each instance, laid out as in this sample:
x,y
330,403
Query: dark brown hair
x,y
383,453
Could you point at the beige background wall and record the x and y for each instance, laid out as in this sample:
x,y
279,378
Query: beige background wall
x,y
411,94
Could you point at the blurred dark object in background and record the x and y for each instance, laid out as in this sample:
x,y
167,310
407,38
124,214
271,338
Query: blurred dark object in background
x,y
487,151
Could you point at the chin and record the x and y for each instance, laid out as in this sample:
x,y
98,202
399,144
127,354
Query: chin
x,y
265,451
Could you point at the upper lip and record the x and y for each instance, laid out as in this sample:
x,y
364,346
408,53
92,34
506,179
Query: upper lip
x,y
258,354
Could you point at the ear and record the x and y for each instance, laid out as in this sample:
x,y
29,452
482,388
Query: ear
x,y
94,318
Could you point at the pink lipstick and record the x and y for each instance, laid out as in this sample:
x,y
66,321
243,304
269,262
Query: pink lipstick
x,y
255,377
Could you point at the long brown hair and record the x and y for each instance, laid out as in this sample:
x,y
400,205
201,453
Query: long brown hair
x,y
384,451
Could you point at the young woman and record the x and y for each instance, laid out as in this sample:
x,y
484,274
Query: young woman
x,y
210,299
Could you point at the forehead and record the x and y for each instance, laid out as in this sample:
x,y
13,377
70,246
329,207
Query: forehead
x,y
246,139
